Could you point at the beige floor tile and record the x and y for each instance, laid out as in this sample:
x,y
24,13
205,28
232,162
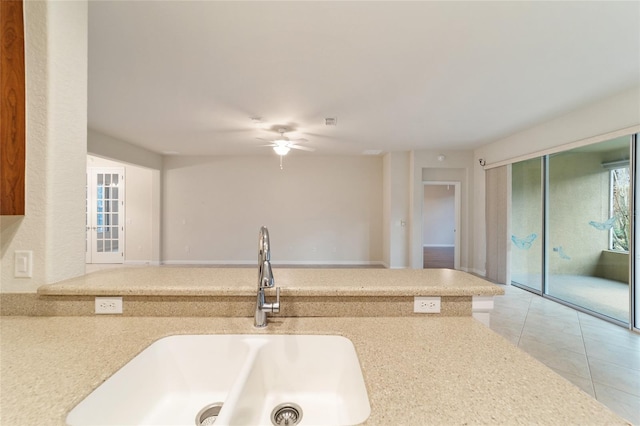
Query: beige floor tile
x,y
611,334
559,315
610,352
557,340
508,321
509,333
511,313
558,359
621,403
551,333
549,325
617,377
583,383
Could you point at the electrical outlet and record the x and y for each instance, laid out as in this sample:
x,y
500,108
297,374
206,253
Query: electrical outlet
x,y
108,305
426,305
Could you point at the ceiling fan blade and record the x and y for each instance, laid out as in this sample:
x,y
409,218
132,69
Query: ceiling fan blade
x,y
299,140
301,148
271,145
266,140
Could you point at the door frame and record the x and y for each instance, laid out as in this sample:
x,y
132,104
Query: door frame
x,y
456,197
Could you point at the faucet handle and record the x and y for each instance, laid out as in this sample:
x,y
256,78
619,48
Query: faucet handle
x,y
275,307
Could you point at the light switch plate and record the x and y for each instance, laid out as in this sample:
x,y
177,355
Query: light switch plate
x,y
23,264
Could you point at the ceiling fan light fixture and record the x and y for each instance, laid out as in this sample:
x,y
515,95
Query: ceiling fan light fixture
x,y
281,149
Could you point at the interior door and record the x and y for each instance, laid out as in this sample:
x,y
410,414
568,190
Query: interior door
x,y
105,215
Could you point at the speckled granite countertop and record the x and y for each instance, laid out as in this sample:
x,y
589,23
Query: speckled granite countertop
x,y
418,371
183,281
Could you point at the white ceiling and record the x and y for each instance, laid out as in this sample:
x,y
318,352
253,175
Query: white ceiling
x,y
187,76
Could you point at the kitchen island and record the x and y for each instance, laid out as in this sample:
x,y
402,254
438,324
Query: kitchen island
x,y
417,370
231,292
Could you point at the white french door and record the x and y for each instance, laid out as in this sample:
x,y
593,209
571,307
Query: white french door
x,y
105,215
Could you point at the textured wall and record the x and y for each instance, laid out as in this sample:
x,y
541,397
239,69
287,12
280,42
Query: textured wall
x,y
67,139
56,68
396,210
27,232
318,209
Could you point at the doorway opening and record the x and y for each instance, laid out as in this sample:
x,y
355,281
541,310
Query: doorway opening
x,y
440,225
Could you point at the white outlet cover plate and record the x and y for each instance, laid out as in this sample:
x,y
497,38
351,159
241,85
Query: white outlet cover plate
x,y
108,305
426,305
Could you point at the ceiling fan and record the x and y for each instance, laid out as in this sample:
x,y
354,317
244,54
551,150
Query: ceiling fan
x,y
282,145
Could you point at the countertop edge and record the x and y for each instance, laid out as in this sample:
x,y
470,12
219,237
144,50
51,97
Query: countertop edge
x,y
55,290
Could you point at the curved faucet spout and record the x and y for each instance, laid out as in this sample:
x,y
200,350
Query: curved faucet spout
x,y
264,251
266,275
265,280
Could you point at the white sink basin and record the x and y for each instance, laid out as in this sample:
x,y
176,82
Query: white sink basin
x,y
174,378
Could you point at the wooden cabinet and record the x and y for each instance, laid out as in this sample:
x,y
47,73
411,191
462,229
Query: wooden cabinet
x,y
12,109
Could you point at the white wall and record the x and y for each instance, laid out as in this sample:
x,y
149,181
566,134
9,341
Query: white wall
x,y
106,146
438,221
323,210
600,120
56,117
138,212
613,113
396,210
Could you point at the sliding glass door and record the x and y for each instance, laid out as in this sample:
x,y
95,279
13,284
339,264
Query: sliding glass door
x,y
588,228
526,224
571,228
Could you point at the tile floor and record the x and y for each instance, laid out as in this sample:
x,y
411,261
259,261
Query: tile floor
x,y
600,358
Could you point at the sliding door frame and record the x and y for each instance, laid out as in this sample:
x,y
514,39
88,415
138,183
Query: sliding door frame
x,y
634,271
634,295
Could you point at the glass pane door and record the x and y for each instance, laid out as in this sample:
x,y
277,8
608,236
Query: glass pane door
x,y
105,208
589,228
526,224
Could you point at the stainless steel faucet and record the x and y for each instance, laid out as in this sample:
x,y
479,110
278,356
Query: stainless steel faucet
x,y
265,280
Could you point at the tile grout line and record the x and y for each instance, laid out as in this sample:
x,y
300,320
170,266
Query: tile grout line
x,y
524,322
586,355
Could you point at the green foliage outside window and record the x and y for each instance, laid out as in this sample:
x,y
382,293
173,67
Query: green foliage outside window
x,y
620,206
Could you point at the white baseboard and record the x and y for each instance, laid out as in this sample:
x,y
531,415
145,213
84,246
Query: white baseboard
x,y
439,245
480,272
210,262
329,262
275,263
142,262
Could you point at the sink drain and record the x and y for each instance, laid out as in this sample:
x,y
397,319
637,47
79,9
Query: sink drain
x,y
208,415
287,414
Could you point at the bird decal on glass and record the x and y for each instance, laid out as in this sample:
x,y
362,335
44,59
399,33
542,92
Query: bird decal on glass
x,y
603,226
561,253
524,243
